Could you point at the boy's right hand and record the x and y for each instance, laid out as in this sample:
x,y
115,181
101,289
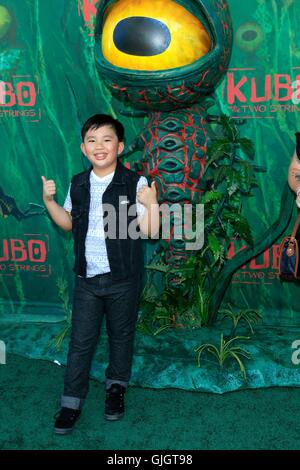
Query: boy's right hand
x,y
49,189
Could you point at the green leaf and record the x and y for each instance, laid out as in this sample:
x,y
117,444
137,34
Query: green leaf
x,y
222,173
215,246
229,128
211,196
217,149
249,175
247,147
241,227
162,328
241,365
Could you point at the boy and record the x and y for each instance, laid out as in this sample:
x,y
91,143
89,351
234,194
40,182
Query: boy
x,y
108,265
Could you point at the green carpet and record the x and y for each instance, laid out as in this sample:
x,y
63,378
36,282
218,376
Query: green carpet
x,y
172,419
169,360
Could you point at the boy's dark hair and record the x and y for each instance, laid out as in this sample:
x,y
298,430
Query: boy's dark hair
x,y
99,120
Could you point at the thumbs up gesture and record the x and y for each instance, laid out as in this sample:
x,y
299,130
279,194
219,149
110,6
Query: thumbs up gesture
x,y
49,189
147,196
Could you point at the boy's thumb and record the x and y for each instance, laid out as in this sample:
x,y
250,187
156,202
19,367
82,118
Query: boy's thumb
x,y
43,179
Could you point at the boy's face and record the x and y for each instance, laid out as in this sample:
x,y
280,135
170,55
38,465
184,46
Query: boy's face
x,y
102,147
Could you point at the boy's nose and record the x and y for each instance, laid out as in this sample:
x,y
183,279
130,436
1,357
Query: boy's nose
x,y
99,145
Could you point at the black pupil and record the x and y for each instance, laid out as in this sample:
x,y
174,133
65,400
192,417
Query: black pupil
x,y
249,35
141,36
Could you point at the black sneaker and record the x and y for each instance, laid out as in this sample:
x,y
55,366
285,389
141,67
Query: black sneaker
x,y
65,420
114,402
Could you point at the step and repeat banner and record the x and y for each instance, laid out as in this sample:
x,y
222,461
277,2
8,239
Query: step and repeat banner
x,y
49,86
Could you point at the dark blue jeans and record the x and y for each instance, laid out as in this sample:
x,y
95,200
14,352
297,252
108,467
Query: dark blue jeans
x,y
93,298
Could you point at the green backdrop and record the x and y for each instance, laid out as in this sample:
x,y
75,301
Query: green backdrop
x,y
49,86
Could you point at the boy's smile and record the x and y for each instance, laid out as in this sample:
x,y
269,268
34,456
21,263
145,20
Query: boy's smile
x,y
102,147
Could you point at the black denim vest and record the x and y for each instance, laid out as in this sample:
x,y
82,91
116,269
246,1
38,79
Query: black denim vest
x,y
125,255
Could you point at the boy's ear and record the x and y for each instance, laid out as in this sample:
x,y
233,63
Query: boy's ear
x,y
83,148
121,147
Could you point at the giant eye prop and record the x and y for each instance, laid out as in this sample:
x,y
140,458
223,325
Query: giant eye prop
x,y
163,58
152,35
174,88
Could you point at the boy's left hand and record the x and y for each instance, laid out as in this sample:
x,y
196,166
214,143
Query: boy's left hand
x,y
146,195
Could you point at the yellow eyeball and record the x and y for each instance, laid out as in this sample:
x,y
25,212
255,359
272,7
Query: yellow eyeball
x,y
152,35
5,21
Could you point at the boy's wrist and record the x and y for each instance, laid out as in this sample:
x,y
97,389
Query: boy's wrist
x,y
48,199
150,204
